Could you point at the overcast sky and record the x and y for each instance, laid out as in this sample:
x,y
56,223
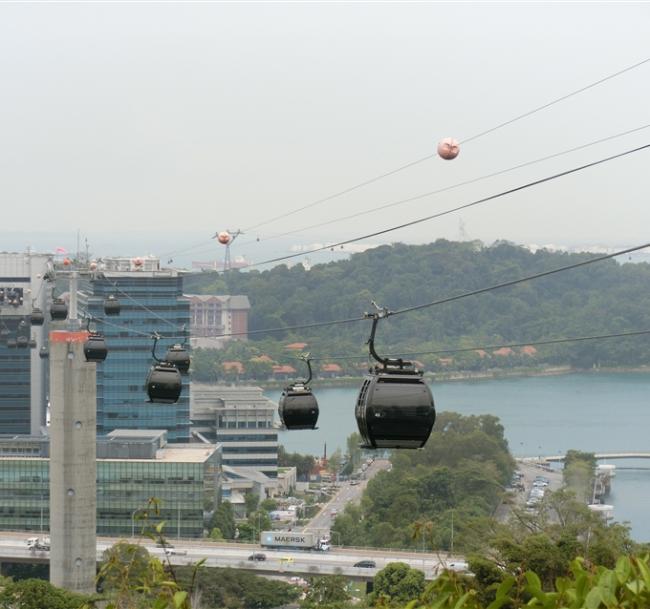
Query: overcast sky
x,y
166,122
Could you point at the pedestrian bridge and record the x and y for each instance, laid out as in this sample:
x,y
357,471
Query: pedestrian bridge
x,y
599,456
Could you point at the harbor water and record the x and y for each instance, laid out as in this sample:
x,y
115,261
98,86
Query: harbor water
x,y
596,412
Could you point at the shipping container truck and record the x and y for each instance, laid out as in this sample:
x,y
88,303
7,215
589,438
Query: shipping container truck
x,y
292,540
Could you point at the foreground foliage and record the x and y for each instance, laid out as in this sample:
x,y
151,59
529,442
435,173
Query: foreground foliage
x,y
37,594
626,586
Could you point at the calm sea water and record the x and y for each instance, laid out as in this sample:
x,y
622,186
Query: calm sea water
x,y
541,416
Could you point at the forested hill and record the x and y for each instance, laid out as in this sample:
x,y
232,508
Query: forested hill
x,y
605,297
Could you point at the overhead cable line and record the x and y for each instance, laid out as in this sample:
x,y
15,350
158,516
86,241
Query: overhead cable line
x,y
538,343
451,187
507,284
498,286
559,99
453,209
429,156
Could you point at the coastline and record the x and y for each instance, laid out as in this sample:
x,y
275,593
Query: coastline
x,y
464,376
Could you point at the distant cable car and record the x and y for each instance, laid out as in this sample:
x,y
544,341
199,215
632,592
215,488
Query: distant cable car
x,y
178,355
164,383
36,317
22,341
298,408
394,407
58,309
112,305
43,352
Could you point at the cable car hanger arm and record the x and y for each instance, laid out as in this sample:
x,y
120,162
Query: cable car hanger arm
x,y
381,313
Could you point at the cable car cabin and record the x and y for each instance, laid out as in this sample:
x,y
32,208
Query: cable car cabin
x,y
178,356
36,317
95,348
22,342
43,352
298,408
111,305
58,309
164,383
395,409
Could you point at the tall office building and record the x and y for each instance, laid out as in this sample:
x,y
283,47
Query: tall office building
x,y
22,371
150,301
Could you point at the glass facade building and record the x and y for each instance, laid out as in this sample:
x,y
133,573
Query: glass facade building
x,y
182,479
150,302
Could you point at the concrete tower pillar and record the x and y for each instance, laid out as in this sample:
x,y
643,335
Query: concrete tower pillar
x,y
73,463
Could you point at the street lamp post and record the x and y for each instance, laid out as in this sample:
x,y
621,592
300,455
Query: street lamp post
x,y
133,513
451,542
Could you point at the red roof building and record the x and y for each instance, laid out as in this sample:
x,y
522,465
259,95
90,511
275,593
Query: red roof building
x,y
235,366
296,346
503,352
283,369
529,350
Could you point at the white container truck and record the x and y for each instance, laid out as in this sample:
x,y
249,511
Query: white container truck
x,y
38,543
293,541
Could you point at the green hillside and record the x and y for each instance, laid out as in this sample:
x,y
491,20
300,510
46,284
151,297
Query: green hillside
x,y
605,297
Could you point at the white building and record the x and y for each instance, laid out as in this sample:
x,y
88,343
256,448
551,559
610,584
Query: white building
x,y
241,420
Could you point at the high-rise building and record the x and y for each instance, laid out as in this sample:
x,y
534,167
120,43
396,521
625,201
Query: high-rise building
x,y
151,302
22,371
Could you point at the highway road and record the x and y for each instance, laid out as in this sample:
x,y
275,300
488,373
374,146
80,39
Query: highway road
x,y
13,546
349,492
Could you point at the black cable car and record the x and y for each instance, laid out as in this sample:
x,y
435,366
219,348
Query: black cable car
x,y
58,309
395,407
43,352
164,383
178,355
298,408
22,341
111,305
95,348
36,317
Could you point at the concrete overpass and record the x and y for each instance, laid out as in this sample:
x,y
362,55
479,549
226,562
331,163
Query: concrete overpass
x,y
338,561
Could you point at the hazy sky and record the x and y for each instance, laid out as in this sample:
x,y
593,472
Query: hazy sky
x,y
165,122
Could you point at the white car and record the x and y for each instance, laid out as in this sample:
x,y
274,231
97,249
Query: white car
x,y
459,566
